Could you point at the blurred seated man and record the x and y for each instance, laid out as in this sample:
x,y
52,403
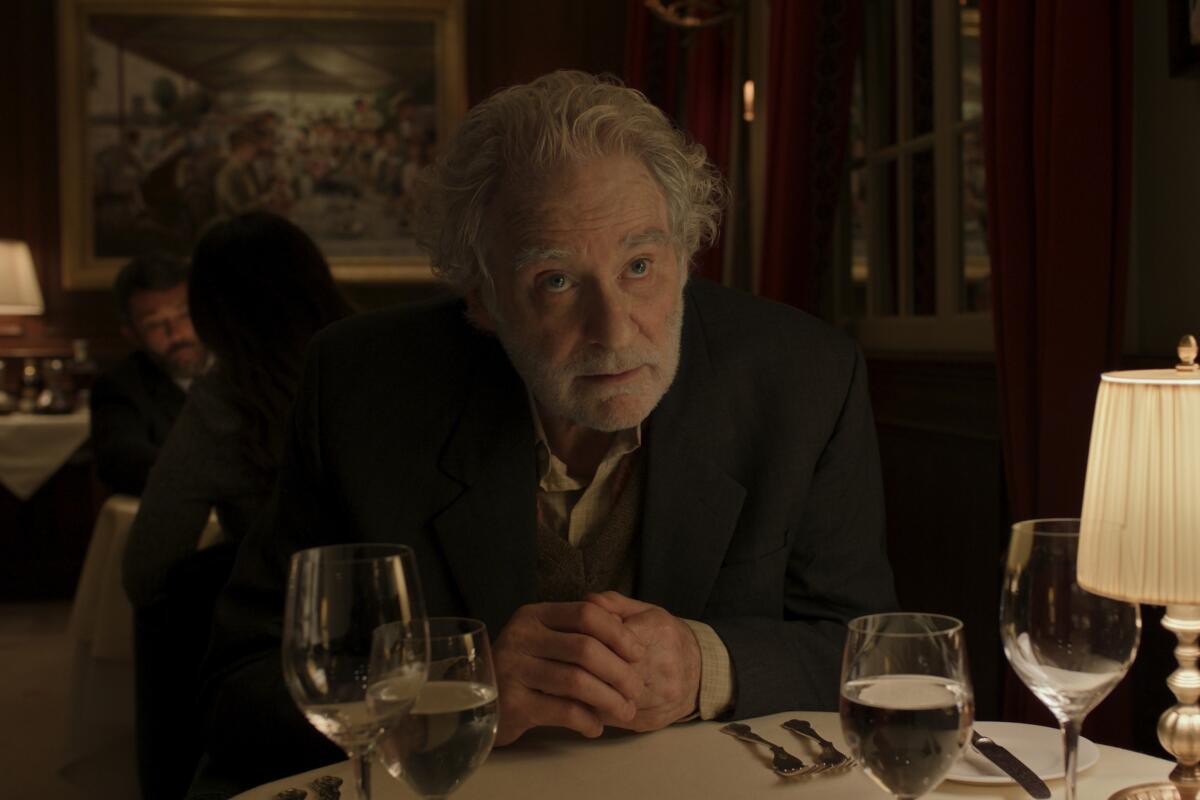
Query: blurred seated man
x,y
661,495
135,403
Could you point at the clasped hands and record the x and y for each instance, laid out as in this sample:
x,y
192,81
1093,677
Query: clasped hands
x,y
609,660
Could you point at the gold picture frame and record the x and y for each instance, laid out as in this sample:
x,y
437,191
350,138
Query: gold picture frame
x,y
175,113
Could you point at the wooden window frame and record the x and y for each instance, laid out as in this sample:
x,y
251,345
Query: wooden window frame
x,y
949,328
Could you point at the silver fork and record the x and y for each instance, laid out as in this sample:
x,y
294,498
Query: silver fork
x,y
829,757
783,762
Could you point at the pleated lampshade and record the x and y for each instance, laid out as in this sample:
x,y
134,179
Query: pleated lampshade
x,y
1143,481
19,290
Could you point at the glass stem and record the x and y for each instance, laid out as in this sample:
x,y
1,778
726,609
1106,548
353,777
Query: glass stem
x,y
361,761
1070,732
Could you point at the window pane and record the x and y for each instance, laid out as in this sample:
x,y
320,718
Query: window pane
x,y
924,239
922,66
882,246
972,79
857,303
858,119
976,265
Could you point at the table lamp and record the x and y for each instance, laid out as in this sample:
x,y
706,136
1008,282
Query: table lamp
x,y
1143,472
20,294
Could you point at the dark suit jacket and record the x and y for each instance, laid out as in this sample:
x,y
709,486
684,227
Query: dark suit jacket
x,y
133,407
763,512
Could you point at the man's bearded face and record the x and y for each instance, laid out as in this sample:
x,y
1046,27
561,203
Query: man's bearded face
x,y
588,289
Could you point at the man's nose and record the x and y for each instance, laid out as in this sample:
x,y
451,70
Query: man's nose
x,y
609,322
178,330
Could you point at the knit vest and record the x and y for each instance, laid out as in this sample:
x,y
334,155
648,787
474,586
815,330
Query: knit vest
x,y
605,559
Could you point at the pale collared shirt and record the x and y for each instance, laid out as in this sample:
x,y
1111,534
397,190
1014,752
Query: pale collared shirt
x,y
575,508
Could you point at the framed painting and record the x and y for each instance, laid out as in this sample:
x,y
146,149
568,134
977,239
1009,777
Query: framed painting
x,y
1183,37
177,113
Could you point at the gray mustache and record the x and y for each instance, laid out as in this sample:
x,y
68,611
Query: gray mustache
x,y
175,348
609,363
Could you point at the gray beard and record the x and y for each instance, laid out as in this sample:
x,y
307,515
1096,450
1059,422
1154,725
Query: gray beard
x,y
551,388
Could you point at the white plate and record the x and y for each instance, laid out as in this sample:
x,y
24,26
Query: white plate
x,y
1039,747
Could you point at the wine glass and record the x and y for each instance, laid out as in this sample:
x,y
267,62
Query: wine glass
x,y
906,703
450,730
337,597
1069,646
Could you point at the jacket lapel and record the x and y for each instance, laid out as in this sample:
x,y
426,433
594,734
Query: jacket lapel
x,y
487,533
691,504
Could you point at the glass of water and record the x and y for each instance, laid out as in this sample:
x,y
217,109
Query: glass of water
x,y
1069,646
337,597
450,730
906,704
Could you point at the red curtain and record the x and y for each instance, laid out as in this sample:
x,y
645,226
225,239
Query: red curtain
x,y
813,48
688,74
1057,96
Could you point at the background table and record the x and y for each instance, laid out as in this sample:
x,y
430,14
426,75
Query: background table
x,y
34,446
100,633
694,760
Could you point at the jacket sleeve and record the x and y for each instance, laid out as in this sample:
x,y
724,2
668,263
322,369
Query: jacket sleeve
x,y
837,569
120,439
254,731
174,507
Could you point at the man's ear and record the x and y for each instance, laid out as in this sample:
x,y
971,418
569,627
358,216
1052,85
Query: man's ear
x,y
477,311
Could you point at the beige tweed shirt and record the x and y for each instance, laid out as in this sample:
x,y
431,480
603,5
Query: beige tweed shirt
x,y
574,508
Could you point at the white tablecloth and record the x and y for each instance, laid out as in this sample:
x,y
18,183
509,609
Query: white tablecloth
x,y
694,760
101,636
100,633
33,447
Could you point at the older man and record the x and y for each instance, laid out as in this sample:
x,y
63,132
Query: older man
x,y
662,496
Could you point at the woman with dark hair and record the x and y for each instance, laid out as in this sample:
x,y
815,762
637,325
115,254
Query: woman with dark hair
x,y
259,290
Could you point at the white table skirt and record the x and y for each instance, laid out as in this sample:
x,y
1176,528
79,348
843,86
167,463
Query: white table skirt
x,y
33,447
694,760
100,633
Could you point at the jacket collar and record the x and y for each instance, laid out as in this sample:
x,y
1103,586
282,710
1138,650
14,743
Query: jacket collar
x,y
690,506
487,533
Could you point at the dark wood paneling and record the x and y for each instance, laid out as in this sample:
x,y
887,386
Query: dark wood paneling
x,y
942,463
517,40
29,183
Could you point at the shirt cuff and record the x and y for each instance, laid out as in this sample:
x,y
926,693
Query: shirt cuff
x,y
716,672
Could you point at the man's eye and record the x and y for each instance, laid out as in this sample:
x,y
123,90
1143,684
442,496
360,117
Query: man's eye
x,y
639,268
556,283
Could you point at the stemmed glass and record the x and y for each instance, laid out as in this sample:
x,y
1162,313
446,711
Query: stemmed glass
x,y
1069,646
337,597
450,730
906,704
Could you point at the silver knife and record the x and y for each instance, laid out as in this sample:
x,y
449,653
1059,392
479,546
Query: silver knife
x,y
1012,765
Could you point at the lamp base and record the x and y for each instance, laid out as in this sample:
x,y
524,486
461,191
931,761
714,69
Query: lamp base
x,y
1179,726
1157,791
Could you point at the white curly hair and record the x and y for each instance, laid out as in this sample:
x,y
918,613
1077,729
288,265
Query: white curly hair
x,y
530,131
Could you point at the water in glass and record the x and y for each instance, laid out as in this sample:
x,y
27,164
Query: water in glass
x,y
906,699
450,730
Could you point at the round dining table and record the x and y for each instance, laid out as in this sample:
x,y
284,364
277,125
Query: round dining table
x,y
695,760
